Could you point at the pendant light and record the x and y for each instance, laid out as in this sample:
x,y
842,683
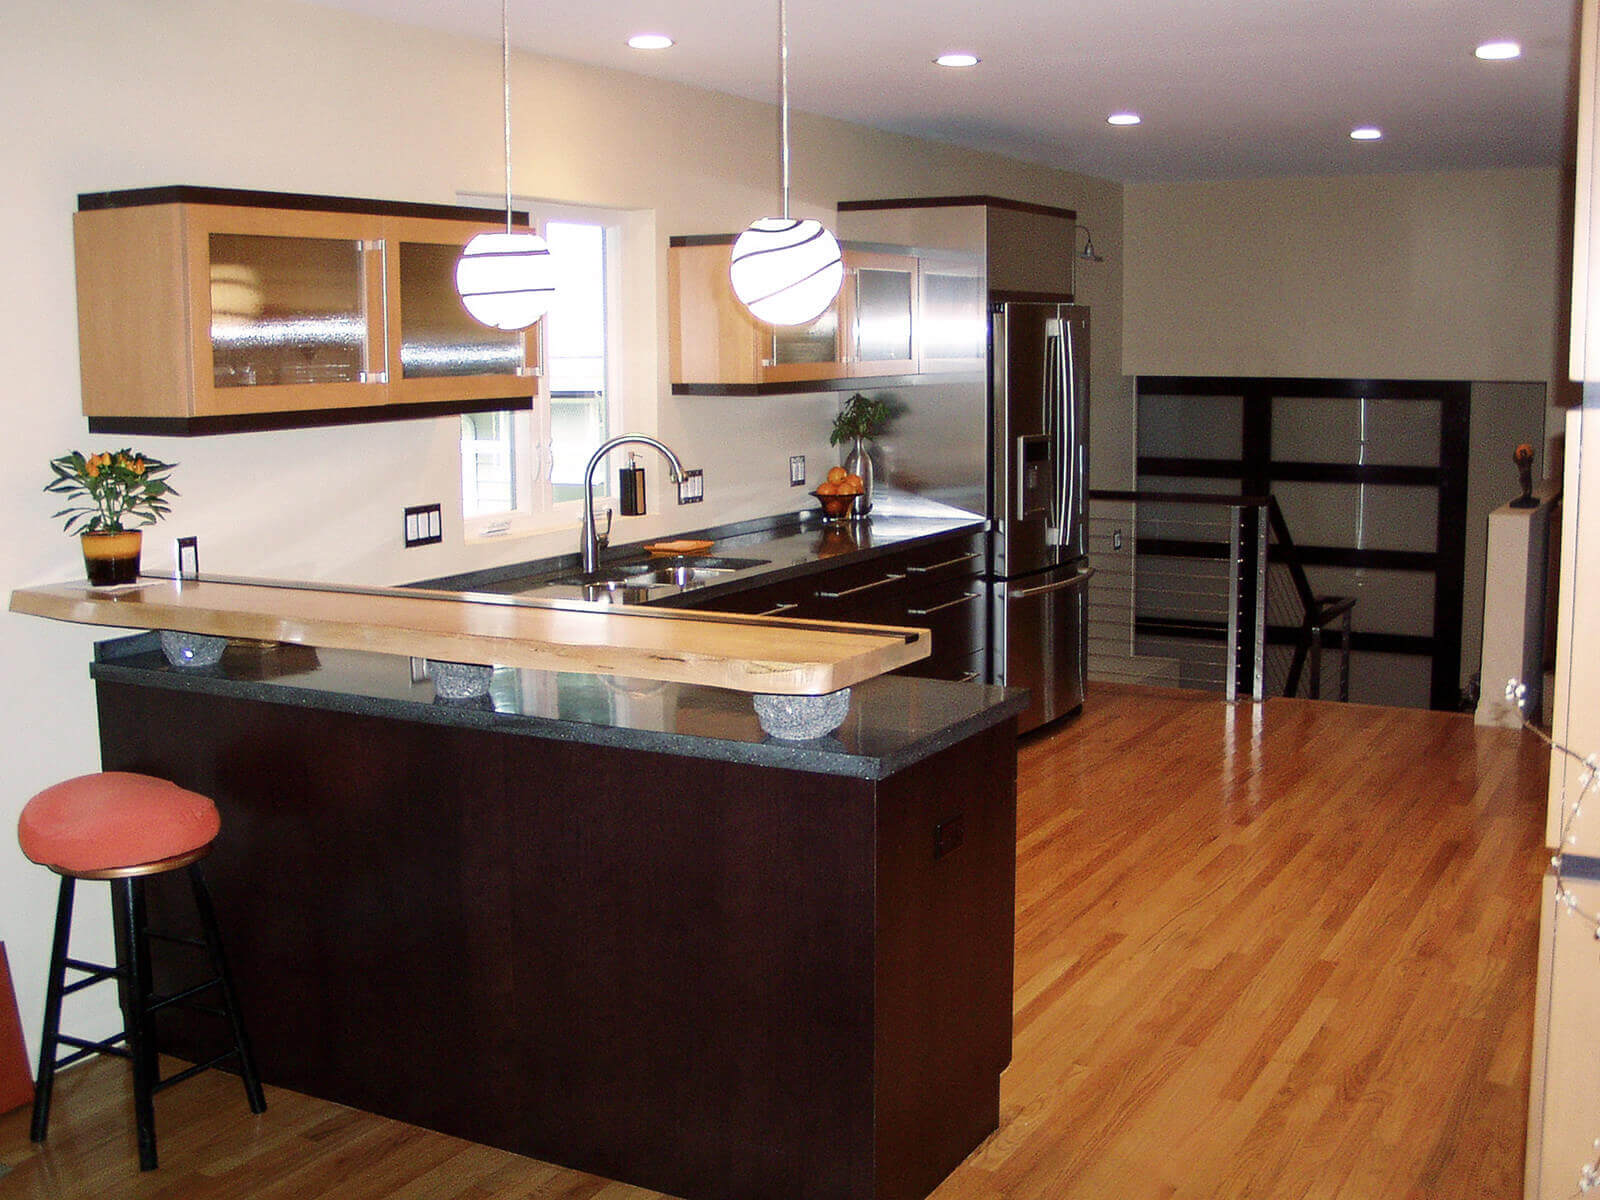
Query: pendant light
x,y
506,279
786,272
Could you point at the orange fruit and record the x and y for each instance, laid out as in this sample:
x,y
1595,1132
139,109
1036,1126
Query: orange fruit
x,y
836,474
854,485
827,488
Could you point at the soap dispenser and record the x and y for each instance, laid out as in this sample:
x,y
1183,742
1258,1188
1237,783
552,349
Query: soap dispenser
x,y
630,492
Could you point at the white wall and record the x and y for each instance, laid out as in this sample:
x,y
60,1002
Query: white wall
x,y
1427,276
287,97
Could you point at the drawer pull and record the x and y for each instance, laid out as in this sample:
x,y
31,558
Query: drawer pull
x,y
967,677
865,587
939,566
781,608
928,612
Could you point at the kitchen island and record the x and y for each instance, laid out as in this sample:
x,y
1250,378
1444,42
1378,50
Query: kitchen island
x,y
606,921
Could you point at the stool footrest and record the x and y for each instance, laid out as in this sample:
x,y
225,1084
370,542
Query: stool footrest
x,y
111,1045
175,939
191,1072
157,1003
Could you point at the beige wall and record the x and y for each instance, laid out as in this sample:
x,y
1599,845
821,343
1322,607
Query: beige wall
x,y
281,96
1432,276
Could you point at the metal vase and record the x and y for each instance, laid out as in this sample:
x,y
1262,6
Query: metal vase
x,y
859,462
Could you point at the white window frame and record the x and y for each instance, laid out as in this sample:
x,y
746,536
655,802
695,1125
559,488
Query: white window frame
x,y
631,356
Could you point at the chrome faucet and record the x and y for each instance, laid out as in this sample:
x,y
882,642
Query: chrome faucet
x,y
593,542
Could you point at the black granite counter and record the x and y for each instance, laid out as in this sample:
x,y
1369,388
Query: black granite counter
x,y
788,546
894,721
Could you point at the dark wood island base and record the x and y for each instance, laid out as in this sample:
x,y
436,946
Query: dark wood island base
x,y
721,975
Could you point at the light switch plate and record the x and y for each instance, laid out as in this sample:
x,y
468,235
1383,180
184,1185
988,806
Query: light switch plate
x,y
692,487
424,526
797,470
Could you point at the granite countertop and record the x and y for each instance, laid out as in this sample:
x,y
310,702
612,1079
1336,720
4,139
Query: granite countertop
x,y
789,546
894,721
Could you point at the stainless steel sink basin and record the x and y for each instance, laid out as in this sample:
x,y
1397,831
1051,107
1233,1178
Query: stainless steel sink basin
x,y
684,576
632,583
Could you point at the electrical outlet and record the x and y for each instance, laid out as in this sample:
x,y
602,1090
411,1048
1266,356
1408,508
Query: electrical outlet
x,y
797,470
424,527
692,487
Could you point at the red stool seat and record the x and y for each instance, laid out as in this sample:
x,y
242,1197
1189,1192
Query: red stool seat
x,y
114,819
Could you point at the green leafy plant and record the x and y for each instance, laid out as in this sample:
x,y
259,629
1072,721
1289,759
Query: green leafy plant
x,y
858,418
110,487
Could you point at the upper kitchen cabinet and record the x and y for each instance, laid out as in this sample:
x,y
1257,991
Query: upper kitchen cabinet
x,y
210,311
1024,249
871,330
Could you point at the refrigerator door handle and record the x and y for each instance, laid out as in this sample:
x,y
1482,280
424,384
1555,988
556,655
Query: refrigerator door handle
x,y
1066,461
1081,577
1057,373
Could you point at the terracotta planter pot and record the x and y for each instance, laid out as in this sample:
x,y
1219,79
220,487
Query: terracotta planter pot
x,y
111,558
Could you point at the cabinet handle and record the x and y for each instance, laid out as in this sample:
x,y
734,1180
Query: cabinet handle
x,y
939,566
865,587
782,608
379,247
967,677
537,370
928,612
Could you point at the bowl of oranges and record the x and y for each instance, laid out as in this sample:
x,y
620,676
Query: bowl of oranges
x,y
838,494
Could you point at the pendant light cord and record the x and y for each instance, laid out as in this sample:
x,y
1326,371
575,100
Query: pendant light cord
x,y
783,96
505,91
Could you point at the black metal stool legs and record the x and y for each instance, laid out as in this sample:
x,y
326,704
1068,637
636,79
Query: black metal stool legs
x,y
230,1001
132,972
52,1011
133,992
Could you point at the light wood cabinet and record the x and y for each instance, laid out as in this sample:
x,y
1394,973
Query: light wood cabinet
x,y
871,330
207,311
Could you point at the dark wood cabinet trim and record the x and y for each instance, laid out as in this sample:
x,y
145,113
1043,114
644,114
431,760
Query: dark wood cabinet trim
x,y
244,198
301,418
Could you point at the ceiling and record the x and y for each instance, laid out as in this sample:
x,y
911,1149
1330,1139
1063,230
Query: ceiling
x,y
1227,89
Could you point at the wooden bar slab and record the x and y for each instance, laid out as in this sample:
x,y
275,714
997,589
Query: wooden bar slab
x,y
746,654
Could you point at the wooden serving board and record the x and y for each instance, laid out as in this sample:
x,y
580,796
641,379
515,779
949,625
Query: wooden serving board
x,y
747,654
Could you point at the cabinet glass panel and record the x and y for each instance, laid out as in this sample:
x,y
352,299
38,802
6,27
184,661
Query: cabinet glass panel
x,y
1362,516
438,337
286,310
1339,429
1191,427
953,325
817,342
883,315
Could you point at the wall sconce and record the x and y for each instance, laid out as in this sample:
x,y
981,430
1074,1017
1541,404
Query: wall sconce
x,y
1088,253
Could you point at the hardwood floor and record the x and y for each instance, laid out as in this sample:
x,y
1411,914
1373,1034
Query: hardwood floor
x,y
1277,951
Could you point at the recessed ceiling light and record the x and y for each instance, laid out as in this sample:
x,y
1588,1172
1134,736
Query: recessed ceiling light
x,y
1498,51
1123,118
958,59
1366,133
649,41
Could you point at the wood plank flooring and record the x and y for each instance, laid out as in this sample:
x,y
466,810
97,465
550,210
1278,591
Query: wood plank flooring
x,y
1277,951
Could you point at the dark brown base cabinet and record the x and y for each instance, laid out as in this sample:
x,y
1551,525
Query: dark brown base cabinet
x,y
715,979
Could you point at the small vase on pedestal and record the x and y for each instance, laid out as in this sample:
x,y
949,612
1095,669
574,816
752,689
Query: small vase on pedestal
x,y
859,462
111,558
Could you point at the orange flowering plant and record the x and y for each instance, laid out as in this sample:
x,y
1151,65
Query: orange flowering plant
x,y
108,487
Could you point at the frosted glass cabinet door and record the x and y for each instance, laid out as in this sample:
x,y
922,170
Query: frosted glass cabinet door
x,y
286,310
883,313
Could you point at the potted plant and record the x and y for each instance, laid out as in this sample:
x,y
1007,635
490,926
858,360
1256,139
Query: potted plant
x,y
859,418
108,491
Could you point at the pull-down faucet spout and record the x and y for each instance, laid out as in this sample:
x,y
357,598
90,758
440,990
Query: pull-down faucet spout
x,y
592,541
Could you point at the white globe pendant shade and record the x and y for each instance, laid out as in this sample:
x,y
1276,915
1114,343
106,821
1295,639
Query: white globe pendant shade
x,y
506,279
786,272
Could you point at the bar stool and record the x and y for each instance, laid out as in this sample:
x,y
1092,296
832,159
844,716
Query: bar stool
x,y
122,827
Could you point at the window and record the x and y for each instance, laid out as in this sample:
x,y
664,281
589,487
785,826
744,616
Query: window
x,y
523,471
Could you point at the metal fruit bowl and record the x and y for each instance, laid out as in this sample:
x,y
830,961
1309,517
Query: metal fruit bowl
x,y
836,507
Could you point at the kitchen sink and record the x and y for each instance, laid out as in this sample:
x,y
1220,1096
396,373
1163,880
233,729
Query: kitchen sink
x,y
631,583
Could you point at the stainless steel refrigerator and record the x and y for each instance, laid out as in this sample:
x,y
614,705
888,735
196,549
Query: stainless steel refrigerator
x,y
1038,468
